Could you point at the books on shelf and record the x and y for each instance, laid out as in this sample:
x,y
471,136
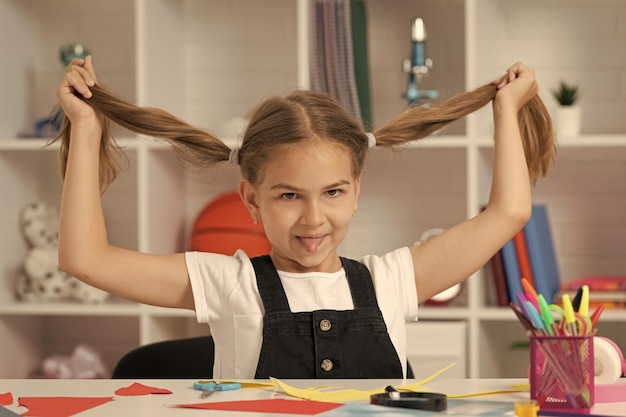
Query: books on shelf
x,y
609,291
512,274
543,259
607,304
598,283
597,295
499,280
523,259
530,254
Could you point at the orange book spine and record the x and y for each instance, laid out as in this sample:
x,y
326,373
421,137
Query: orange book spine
x,y
521,250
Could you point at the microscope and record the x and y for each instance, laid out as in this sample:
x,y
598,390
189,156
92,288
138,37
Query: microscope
x,y
418,66
50,126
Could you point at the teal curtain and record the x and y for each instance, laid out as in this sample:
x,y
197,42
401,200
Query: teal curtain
x,y
361,62
338,53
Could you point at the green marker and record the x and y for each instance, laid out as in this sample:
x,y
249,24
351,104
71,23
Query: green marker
x,y
546,315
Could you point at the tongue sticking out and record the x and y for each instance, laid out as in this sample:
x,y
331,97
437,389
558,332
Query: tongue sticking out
x,y
311,243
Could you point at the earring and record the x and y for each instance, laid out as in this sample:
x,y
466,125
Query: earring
x,y
354,213
254,220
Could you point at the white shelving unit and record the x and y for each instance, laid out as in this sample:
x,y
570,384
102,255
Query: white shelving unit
x,y
194,58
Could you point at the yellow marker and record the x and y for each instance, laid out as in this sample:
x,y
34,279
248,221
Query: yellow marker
x,y
583,309
570,318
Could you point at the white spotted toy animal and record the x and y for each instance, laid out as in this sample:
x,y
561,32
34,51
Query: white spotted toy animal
x,y
42,280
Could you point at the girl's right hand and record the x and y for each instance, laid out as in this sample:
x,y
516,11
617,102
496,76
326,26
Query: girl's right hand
x,y
79,77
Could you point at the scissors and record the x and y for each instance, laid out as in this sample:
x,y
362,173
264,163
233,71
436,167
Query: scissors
x,y
574,323
582,326
209,387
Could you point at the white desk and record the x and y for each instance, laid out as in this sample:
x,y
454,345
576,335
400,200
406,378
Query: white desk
x,y
155,405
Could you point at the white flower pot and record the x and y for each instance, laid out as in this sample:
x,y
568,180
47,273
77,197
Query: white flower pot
x,y
567,121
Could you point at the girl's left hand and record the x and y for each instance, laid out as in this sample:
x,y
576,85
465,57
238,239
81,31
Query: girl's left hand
x,y
517,86
79,76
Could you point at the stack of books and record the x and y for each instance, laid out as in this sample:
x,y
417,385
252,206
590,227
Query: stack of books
x,y
608,291
530,254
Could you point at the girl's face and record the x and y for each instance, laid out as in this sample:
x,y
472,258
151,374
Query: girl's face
x,y
306,201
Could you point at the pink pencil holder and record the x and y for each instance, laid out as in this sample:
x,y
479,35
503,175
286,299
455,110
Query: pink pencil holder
x,y
562,372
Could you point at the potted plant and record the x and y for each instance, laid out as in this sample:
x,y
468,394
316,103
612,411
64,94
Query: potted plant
x,y
566,94
568,114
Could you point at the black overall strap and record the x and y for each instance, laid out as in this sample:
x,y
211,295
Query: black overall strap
x,y
360,282
270,288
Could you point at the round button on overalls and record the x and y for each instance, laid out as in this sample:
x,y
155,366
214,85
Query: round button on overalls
x,y
327,365
325,325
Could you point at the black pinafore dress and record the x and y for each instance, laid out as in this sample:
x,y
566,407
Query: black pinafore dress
x,y
324,343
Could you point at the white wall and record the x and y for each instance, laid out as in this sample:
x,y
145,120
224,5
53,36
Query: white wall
x,y
235,56
227,72
389,31
580,41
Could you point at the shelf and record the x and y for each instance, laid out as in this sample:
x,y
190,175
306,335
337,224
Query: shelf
x,y
591,140
108,309
134,310
126,143
41,144
443,313
250,51
586,141
167,312
443,142
26,144
69,309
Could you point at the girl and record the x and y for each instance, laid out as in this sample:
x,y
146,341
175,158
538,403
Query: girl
x,y
303,311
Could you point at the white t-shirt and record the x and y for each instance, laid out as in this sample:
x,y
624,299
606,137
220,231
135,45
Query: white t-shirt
x,y
227,298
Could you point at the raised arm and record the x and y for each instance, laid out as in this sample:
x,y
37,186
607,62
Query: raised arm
x,y
84,250
454,255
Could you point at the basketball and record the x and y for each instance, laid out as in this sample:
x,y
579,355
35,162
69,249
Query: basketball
x,y
225,225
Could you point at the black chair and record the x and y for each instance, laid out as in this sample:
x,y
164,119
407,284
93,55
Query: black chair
x,y
190,358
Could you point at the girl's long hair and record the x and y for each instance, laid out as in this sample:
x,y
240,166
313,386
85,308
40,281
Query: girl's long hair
x,y
299,116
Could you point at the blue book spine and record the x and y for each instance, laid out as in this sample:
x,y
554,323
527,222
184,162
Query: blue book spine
x,y
541,253
511,270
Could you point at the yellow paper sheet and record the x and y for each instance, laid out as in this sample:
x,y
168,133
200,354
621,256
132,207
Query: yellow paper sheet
x,y
344,395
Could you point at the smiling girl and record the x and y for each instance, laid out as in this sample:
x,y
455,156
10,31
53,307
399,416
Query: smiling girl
x,y
302,311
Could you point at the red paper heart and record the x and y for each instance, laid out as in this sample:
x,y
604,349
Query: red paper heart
x,y
140,389
6,399
279,406
59,406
